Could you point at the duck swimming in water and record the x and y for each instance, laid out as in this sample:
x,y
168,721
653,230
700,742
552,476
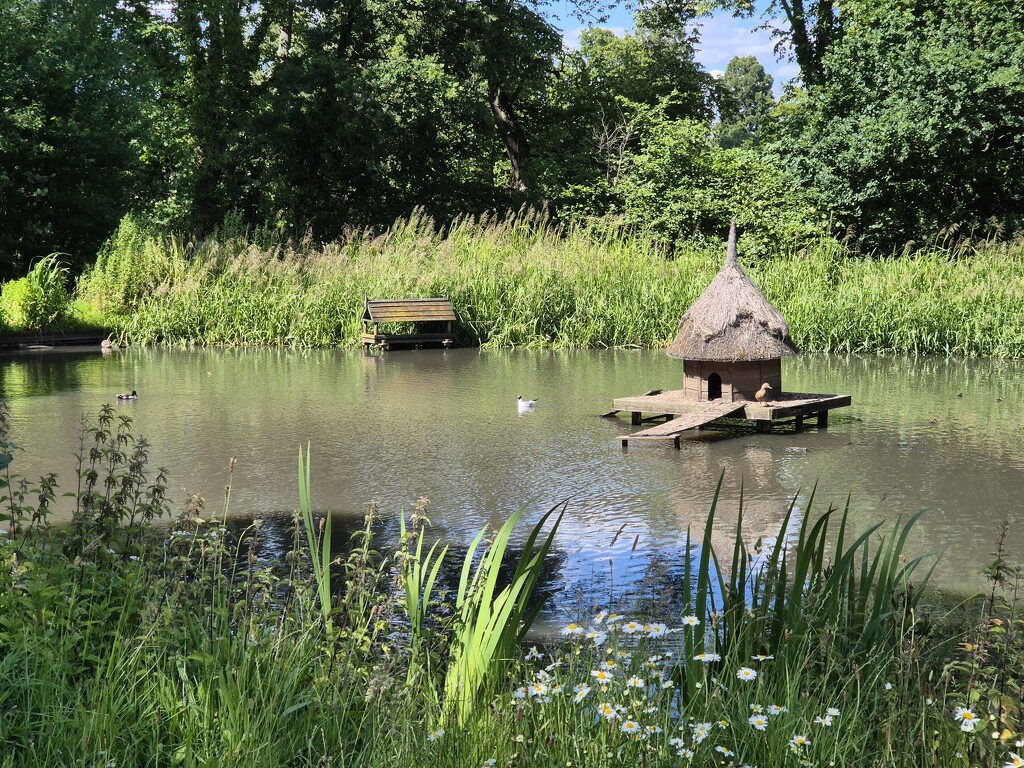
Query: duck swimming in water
x,y
525,405
128,396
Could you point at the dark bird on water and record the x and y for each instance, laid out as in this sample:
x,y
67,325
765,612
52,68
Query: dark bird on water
x,y
133,395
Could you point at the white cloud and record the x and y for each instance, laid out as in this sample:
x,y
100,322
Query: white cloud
x,y
571,37
721,37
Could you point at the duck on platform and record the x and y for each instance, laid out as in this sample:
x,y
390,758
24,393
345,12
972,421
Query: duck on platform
x,y
133,395
525,405
764,394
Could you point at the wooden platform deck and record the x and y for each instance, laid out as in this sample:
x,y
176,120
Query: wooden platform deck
x,y
674,428
692,415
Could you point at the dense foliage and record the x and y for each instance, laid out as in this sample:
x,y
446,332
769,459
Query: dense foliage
x,y
918,128
307,117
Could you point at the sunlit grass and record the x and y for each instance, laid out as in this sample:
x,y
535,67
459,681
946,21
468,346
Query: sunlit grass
x,y
524,282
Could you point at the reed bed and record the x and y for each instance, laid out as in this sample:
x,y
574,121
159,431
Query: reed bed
x,y
521,281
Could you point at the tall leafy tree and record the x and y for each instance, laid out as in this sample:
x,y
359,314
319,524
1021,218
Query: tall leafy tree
x,y
220,45
917,126
74,92
803,29
374,113
602,99
745,101
678,184
513,48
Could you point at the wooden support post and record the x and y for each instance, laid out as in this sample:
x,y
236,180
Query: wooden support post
x,y
675,442
763,425
635,417
799,423
625,442
822,419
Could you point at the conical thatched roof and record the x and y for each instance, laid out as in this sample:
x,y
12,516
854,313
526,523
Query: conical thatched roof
x,y
732,320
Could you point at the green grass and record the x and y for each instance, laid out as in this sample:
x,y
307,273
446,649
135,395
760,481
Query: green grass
x,y
125,641
524,282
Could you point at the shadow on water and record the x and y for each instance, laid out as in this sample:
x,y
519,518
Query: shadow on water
x,y
653,586
45,372
277,537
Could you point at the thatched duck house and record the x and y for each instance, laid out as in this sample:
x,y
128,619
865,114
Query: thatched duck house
x,y
732,340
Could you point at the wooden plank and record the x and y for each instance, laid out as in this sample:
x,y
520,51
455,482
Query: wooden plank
x,y
781,409
409,310
616,411
398,339
672,429
37,339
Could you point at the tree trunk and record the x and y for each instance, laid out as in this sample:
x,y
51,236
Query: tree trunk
x,y
512,136
284,36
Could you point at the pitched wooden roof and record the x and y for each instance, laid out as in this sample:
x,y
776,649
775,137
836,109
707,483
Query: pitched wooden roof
x,y
732,320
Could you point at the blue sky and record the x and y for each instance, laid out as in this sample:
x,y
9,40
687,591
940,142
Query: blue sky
x,y
722,37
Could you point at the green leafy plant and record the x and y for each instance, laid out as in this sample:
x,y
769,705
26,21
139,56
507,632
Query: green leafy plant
x,y
418,576
490,624
40,300
318,538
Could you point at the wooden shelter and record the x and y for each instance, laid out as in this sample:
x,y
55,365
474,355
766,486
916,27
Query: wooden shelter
x,y
731,341
408,323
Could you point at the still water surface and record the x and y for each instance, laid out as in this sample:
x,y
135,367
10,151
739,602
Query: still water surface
x,y
922,433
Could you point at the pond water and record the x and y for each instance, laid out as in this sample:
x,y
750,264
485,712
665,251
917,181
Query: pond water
x,y
922,433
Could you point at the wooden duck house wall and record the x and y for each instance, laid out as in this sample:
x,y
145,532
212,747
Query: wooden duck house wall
x,y
705,380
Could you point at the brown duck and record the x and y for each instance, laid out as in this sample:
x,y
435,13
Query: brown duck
x,y
764,394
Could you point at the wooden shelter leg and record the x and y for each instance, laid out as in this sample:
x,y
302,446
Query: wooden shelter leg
x,y
822,419
763,425
799,423
635,417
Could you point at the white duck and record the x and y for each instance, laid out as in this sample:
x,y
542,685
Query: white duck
x,y
525,405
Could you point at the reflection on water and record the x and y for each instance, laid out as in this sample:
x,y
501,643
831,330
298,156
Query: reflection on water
x,y
922,433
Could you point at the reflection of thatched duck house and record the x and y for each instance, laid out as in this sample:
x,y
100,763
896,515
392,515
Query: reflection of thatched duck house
x,y
731,341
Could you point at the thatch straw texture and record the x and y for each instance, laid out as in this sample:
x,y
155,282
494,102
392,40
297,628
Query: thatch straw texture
x,y
732,320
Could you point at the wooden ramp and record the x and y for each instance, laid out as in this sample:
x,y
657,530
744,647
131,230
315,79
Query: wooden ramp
x,y
671,430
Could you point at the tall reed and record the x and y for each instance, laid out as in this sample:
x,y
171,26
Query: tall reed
x,y
521,281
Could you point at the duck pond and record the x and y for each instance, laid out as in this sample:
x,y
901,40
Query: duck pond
x,y
942,435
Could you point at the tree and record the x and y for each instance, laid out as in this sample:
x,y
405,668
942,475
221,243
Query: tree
x,y
74,90
745,101
917,125
679,185
600,102
809,28
220,45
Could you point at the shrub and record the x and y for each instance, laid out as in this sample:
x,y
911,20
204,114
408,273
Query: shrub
x,y
16,302
39,300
